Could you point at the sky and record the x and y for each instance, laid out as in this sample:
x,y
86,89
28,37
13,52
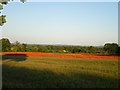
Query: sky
x,y
71,23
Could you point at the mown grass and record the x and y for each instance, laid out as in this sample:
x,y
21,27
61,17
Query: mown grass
x,y
57,72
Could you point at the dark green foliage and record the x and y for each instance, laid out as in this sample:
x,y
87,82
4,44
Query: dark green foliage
x,y
111,48
1,7
5,44
4,2
24,47
76,50
2,17
108,49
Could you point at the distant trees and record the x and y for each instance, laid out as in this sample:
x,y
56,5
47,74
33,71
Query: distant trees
x,y
76,50
5,43
108,48
17,46
111,48
24,47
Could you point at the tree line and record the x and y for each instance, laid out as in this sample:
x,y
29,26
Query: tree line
x,y
107,49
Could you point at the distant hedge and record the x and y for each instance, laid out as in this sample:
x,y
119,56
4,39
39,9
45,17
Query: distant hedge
x,y
107,49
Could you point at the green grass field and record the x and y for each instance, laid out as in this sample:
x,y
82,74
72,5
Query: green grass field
x,y
57,72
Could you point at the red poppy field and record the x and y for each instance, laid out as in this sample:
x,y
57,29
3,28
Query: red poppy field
x,y
81,55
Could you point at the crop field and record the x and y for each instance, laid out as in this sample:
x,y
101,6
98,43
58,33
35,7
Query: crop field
x,y
25,71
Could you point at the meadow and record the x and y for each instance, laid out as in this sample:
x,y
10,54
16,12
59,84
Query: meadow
x,y
58,72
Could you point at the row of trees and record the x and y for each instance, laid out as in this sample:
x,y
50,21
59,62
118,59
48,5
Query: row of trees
x,y
109,48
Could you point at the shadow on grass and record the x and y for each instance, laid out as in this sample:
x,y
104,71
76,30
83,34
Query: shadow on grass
x,y
19,77
15,57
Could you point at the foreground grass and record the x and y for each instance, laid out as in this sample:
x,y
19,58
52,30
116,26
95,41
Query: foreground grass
x,y
57,72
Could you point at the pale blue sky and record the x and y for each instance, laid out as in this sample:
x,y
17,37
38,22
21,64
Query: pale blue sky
x,y
78,23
